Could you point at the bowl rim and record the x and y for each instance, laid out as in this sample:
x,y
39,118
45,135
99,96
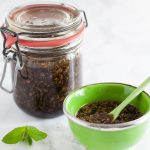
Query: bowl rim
x,y
106,127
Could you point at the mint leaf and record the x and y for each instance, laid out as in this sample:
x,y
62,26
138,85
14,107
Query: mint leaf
x,y
29,140
14,136
36,134
24,134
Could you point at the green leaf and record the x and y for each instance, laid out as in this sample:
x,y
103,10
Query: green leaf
x,y
36,134
24,134
14,136
29,140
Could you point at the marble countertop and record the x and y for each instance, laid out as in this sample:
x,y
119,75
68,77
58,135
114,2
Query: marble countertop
x,y
116,48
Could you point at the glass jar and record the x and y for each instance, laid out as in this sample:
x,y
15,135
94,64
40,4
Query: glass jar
x,y
42,42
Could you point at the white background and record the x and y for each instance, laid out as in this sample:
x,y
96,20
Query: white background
x,y
116,48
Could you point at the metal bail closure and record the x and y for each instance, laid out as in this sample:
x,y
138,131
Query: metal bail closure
x,y
84,17
11,56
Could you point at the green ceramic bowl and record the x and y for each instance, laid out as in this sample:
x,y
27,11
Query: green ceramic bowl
x,y
101,136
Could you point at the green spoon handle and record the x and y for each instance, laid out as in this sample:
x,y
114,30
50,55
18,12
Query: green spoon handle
x,y
133,95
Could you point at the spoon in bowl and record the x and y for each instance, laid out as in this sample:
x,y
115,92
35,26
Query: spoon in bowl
x,y
115,113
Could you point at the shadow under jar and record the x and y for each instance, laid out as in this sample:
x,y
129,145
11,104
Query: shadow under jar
x,y
48,43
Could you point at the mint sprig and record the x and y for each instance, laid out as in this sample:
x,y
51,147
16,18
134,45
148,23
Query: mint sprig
x,y
24,134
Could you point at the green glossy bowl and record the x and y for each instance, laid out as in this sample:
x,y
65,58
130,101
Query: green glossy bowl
x,y
101,136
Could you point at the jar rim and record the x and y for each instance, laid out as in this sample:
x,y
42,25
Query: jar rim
x,y
35,34
43,43
57,19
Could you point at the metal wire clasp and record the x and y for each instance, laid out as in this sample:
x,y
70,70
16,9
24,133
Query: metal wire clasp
x,y
10,55
85,18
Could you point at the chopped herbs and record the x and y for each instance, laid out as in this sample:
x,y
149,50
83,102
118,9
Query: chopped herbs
x,y
98,112
45,81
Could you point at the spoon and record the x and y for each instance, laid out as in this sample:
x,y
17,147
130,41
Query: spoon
x,y
115,113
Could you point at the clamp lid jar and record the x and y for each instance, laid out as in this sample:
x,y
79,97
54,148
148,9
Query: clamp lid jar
x,y
45,40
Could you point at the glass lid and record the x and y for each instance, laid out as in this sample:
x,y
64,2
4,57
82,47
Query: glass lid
x,y
40,18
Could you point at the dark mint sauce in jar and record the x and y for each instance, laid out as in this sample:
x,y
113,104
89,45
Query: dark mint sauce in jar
x,y
49,40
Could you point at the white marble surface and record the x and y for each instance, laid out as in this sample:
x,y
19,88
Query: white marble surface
x,y
116,48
